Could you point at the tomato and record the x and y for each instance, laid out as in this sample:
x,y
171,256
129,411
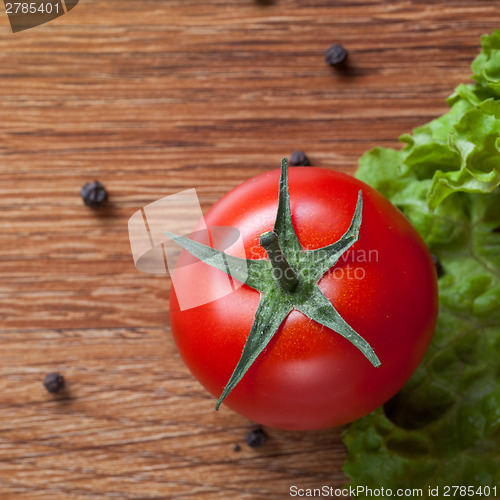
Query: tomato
x,y
309,376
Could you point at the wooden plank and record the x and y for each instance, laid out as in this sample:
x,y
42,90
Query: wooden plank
x,y
133,423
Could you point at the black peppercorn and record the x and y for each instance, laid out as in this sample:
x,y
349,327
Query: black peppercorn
x,y
299,158
236,447
94,194
335,54
53,382
438,266
255,437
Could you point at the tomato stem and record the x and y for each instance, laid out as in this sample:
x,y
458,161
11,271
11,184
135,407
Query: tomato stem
x,y
282,270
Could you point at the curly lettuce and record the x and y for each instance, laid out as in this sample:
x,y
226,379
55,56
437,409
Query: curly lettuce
x,y
443,428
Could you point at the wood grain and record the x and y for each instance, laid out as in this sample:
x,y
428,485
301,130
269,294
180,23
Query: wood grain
x,y
152,98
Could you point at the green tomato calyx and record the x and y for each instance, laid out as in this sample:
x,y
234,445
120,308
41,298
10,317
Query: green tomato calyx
x,y
282,271
287,281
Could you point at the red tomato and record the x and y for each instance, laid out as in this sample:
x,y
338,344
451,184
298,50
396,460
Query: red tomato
x,y
310,377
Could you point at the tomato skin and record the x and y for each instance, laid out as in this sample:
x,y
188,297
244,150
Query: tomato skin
x,y
310,377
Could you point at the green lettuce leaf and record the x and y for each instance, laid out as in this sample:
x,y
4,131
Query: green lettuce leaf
x,y
486,66
443,428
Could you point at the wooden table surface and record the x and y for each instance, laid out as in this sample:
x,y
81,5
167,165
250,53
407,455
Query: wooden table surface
x,y
152,97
